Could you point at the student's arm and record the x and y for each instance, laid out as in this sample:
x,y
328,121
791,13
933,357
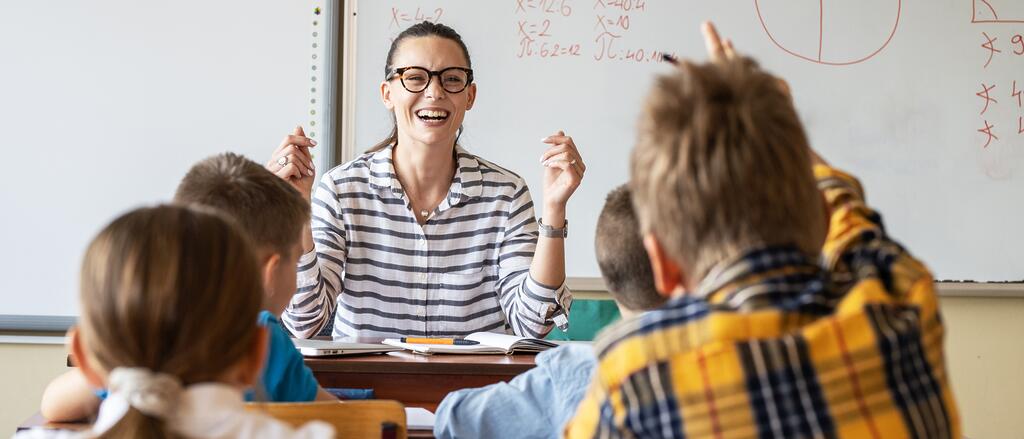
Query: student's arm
x,y
68,398
319,279
857,245
528,302
534,404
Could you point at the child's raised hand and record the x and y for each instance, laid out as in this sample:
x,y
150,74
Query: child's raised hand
x,y
718,49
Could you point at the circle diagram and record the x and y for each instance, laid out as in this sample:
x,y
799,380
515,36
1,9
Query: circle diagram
x,y
830,32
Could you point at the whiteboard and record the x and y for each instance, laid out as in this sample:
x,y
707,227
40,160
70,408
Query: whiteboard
x,y
887,89
105,104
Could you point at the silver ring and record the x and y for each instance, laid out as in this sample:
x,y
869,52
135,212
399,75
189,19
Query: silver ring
x,y
283,160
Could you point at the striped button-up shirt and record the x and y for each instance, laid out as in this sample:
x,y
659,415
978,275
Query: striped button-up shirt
x,y
774,346
379,273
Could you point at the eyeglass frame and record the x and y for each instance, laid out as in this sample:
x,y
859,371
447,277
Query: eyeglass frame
x,y
397,72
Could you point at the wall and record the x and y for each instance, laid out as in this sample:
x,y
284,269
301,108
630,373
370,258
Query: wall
x,y
25,369
984,349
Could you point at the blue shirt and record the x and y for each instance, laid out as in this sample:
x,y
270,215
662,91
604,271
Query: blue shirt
x,y
285,376
535,404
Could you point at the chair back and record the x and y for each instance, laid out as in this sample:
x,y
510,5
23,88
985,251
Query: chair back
x,y
351,419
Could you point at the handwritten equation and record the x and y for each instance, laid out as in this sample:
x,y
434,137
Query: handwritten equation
x,y
543,30
997,48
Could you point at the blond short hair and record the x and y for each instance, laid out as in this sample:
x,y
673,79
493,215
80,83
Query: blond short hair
x,y
722,165
269,211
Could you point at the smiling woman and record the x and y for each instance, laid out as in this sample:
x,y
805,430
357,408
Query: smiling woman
x,y
418,237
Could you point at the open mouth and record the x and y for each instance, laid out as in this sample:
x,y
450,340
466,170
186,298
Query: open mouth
x,y
432,115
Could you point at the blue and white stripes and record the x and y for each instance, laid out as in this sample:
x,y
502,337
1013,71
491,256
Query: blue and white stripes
x,y
381,274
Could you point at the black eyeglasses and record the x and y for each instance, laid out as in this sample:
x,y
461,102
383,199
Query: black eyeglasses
x,y
416,79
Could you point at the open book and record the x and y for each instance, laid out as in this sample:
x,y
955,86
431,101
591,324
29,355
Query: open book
x,y
490,343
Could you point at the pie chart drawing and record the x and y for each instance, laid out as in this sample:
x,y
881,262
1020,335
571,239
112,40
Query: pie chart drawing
x,y
830,32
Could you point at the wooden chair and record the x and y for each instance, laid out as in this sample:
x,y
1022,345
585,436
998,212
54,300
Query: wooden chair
x,y
351,419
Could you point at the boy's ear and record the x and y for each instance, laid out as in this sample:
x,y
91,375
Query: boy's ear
x,y
270,267
669,278
92,376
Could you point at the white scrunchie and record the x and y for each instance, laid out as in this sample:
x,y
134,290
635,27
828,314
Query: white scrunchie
x,y
154,394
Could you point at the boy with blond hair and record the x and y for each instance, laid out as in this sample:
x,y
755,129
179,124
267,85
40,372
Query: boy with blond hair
x,y
272,215
791,316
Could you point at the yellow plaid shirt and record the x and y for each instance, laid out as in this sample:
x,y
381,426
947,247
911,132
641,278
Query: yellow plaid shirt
x,y
772,345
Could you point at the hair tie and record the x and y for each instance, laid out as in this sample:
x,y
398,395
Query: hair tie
x,y
154,394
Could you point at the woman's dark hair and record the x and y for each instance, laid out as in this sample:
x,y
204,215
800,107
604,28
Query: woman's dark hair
x,y
422,29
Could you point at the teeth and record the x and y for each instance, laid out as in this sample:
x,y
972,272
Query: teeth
x,y
432,113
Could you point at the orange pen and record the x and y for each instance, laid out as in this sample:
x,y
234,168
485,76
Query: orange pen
x,y
453,341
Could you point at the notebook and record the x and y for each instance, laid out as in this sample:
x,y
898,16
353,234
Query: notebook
x,y
490,343
320,348
418,418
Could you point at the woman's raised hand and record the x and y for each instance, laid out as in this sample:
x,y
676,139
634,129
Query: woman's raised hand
x,y
293,162
564,170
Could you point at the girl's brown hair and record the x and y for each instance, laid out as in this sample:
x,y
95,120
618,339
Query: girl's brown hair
x,y
422,29
175,290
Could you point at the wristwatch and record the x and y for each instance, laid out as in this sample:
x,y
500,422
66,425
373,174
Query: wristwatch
x,y
551,232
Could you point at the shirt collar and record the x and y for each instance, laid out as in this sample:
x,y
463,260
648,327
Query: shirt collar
x,y
766,277
467,183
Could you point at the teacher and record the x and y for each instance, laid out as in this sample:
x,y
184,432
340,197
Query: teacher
x,y
418,237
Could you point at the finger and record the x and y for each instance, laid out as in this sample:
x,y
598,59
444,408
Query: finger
x,y
306,167
727,47
566,167
579,157
289,171
558,137
569,157
295,154
297,140
712,42
302,141
555,150
569,142
305,148
565,156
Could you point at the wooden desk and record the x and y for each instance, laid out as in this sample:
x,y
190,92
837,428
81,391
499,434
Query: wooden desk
x,y
37,420
417,380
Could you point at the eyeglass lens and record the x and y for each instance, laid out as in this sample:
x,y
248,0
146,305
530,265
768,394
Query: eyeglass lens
x,y
453,80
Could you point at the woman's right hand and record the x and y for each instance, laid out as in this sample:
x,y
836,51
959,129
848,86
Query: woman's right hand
x,y
293,162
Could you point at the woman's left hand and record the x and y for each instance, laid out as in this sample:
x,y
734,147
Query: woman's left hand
x,y
564,170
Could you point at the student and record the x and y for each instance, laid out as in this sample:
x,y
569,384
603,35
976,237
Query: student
x,y
767,341
273,215
538,403
150,282
419,237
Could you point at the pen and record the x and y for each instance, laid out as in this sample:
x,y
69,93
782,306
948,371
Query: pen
x,y
454,341
669,59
